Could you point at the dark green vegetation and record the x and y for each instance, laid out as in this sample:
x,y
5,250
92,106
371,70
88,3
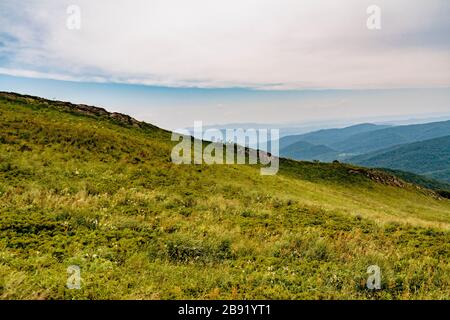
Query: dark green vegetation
x,y
330,137
422,148
79,186
388,137
430,158
309,151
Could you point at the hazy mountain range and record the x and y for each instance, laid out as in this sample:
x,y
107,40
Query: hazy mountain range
x,y
419,148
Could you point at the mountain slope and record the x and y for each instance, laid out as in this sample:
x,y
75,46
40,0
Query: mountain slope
x,y
430,158
329,137
380,139
302,150
87,188
367,138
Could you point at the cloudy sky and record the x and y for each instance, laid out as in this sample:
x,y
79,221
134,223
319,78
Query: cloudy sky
x,y
175,61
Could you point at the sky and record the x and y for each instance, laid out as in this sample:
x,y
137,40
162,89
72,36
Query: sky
x,y
171,62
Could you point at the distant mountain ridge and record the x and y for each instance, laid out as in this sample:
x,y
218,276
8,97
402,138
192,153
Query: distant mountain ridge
x,y
329,137
387,137
309,151
419,148
430,158
364,138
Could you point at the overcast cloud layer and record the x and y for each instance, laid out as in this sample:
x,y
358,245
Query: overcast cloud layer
x,y
272,44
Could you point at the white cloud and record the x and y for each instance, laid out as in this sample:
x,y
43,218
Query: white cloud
x,y
265,44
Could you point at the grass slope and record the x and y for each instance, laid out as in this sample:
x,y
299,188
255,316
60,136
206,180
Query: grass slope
x,y
101,192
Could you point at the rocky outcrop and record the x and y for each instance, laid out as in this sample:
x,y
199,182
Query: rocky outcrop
x,y
391,180
379,176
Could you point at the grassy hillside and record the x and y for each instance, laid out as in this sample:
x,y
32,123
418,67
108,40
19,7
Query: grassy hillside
x,y
79,186
430,158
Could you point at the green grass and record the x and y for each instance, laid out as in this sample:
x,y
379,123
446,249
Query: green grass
x,y
95,192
